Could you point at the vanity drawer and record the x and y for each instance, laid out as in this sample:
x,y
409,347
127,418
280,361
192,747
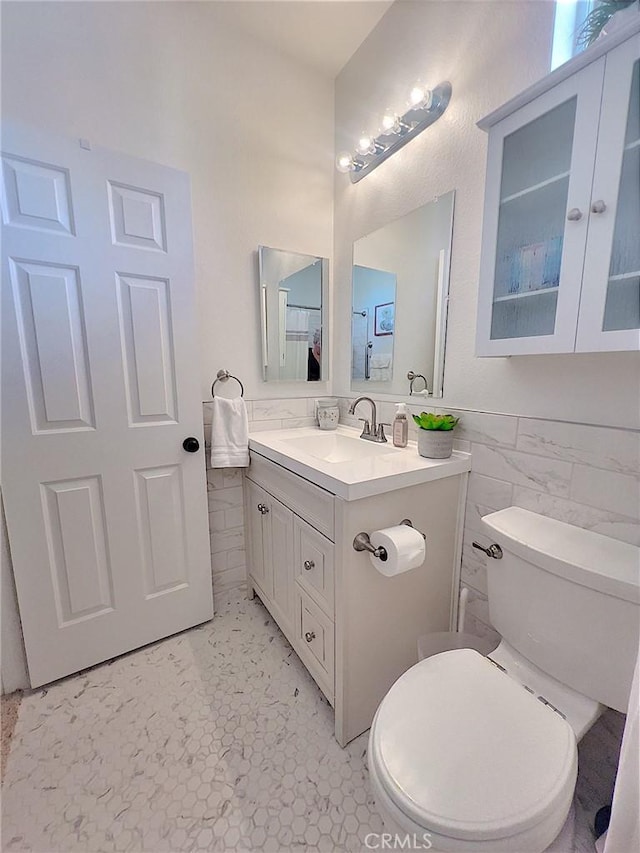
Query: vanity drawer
x,y
313,564
301,496
315,641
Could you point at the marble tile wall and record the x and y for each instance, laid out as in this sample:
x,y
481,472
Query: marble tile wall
x,y
224,488
585,475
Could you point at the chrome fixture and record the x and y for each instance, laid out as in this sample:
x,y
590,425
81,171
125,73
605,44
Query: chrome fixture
x,y
370,431
494,551
362,542
224,376
425,107
411,376
367,359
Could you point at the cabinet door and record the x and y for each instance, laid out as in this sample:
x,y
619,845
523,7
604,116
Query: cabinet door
x,y
610,307
279,554
259,567
539,175
313,564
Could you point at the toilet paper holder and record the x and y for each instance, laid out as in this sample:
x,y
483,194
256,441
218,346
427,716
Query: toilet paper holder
x,y
362,542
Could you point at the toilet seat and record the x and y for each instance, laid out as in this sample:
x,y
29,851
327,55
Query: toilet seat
x,y
469,754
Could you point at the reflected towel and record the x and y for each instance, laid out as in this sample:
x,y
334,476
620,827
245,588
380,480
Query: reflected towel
x,y
229,433
380,360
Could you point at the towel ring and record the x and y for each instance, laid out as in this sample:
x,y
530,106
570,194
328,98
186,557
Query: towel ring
x,y
222,376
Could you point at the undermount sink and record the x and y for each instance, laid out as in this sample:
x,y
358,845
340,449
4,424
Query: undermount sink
x,y
337,447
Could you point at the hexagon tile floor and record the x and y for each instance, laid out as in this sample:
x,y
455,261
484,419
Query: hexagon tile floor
x,y
215,739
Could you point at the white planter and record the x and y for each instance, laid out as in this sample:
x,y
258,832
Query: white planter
x,y
435,443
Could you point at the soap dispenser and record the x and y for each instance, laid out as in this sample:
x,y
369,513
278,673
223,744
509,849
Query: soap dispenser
x,y
400,426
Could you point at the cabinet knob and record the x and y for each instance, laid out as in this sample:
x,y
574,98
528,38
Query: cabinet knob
x,y
574,215
263,509
309,564
598,206
310,636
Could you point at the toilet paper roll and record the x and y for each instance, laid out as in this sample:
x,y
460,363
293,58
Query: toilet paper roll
x,y
405,549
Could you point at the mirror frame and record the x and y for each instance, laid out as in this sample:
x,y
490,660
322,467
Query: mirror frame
x,y
324,317
442,313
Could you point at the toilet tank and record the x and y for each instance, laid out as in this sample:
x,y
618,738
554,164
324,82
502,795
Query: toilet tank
x,y
568,600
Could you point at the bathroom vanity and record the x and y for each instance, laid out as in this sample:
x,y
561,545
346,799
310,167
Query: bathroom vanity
x,y
307,495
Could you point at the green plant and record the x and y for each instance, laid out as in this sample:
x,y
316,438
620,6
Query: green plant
x,y
598,18
427,420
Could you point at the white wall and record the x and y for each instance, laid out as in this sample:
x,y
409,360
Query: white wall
x,y
489,51
171,82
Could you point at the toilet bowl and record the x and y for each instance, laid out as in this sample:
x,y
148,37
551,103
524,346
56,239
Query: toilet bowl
x,y
464,756
474,753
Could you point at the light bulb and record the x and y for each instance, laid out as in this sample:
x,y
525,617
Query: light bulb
x,y
420,97
344,162
365,145
390,122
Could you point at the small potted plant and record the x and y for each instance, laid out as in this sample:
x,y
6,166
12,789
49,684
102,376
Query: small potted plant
x,y
435,434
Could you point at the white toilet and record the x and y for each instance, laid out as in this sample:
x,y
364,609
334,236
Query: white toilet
x,y
468,753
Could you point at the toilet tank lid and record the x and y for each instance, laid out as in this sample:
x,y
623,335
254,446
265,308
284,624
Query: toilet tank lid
x,y
582,556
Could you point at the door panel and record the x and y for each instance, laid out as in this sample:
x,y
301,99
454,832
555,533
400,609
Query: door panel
x,y
53,344
281,557
106,513
539,175
137,217
257,497
37,196
610,306
147,334
161,520
78,550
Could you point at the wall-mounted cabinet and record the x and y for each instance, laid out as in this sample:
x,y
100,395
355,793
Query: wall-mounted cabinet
x,y
560,269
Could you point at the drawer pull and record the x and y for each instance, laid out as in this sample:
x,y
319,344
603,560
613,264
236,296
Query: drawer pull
x,y
310,636
309,564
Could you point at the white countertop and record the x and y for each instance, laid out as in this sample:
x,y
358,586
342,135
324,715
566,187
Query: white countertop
x,y
392,468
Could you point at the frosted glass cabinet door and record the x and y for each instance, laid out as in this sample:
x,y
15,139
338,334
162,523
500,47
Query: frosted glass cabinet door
x,y
539,174
610,307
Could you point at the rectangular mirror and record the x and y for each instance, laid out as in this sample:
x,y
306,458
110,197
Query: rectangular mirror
x,y
400,286
292,295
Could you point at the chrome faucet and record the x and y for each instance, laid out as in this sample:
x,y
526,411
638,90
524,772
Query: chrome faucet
x,y
370,431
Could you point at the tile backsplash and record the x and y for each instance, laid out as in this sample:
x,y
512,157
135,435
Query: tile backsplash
x,y
225,488
584,475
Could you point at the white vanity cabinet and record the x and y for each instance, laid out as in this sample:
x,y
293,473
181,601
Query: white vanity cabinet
x,y
354,629
560,268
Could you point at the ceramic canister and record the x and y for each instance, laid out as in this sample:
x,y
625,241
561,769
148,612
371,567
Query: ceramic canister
x,y
328,413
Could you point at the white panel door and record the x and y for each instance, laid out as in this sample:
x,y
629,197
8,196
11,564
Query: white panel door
x,y
106,511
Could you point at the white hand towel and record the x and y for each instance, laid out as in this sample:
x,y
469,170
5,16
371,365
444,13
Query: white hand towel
x,y
229,433
380,360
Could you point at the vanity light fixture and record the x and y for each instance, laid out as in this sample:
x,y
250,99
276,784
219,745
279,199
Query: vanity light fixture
x,y
425,107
